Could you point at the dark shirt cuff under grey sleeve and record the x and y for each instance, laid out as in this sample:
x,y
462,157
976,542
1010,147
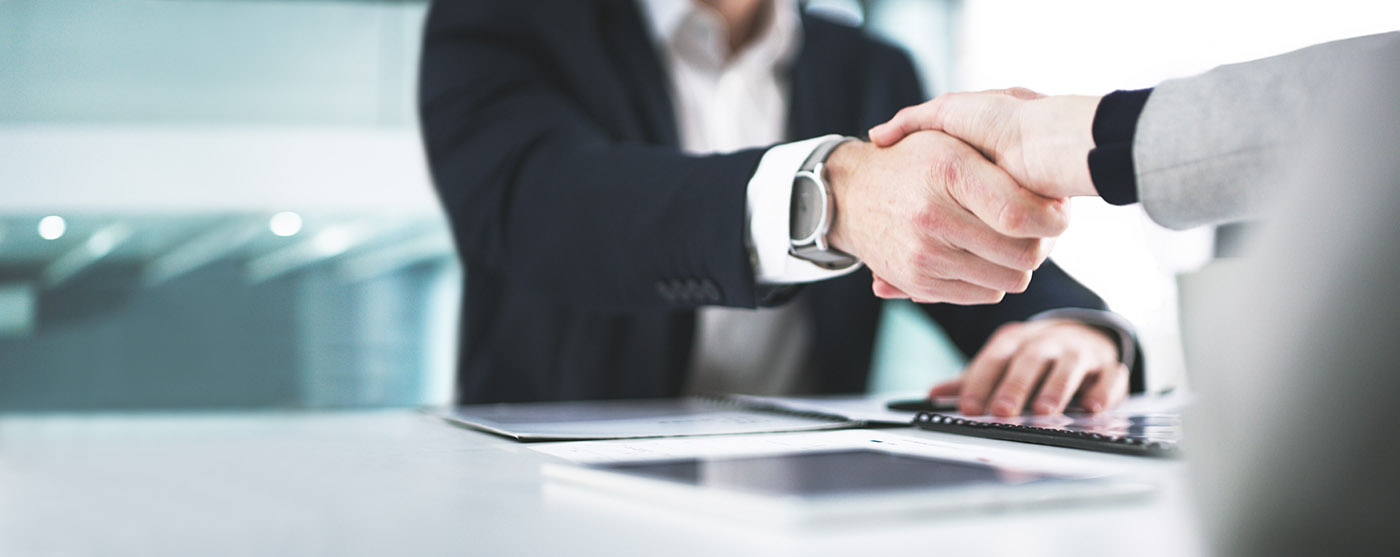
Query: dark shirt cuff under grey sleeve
x,y
1111,160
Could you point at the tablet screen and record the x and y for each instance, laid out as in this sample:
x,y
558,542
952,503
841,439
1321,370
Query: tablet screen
x,y
830,473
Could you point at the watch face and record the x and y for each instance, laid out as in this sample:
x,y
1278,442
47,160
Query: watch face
x,y
806,208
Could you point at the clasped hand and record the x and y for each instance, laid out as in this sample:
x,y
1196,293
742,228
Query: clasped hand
x,y
937,221
958,200
963,215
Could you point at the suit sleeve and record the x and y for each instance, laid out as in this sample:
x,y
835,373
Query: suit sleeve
x,y
539,193
1206,147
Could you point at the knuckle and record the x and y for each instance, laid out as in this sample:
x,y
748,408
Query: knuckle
x,y
928,220
942,258
1004,341
1014,218
928,261
1050,350
1026,257
922,260
1023,281
1040,250
1052,215
937,108
1014,383
948,172
1005,282
1027,215
1022,93
1056,219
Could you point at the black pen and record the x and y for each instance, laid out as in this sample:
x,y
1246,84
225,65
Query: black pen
x,y
935,404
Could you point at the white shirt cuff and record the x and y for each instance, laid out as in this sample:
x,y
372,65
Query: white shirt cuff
x,y
769,208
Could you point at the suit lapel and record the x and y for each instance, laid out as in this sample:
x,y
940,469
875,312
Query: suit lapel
x,y
819,96
640,69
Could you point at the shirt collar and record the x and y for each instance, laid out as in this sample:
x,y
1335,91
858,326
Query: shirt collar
x,y
668,20
664,16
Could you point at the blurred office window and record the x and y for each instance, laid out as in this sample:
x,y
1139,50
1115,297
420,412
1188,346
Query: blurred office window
x,y
246,220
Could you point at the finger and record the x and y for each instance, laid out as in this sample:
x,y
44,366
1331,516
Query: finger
x,y
886,290
1117,396
990,193
987,367
905,122
955,264
1110,389
946,388
1023,374
964,230
979,119
936,290
1060,385
953,291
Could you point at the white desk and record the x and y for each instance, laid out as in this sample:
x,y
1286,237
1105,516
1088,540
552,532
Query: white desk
x,y
403,483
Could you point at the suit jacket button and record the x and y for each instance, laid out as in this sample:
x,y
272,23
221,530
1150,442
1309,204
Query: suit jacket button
x,y
710,290
666,290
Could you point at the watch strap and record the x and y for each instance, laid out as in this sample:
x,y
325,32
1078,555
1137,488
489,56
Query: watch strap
x,y
822,254
820,154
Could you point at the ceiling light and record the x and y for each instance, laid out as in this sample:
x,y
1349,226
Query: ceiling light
x,y
52,227
285,223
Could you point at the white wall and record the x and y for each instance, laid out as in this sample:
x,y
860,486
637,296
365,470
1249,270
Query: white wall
x,y
1097,46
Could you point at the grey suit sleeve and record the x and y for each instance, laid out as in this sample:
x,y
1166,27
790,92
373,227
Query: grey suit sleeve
x,y
1206,146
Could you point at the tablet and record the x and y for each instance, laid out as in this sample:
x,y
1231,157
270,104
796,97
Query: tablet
x,y
836,485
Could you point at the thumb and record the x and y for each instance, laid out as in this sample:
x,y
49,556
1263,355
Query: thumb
x,y
906,121
1020,93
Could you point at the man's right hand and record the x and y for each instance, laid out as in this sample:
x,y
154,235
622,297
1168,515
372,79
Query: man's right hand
x,y
937,222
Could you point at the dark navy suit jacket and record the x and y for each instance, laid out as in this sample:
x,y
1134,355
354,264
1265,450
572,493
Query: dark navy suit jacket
x,y
589,238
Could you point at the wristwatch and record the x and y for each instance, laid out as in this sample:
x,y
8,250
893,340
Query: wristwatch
x,y
813,210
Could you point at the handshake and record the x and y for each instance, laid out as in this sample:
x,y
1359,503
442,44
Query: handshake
x,y
984,179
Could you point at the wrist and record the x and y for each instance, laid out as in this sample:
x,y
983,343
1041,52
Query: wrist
x,y
1079,114
841,168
